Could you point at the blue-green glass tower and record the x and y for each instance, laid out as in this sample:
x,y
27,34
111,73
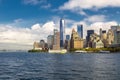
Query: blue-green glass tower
x,y
62,33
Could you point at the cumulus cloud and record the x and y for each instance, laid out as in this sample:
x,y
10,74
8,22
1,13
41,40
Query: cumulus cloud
x,y
95,18
25,36
80,5
104,25
94,26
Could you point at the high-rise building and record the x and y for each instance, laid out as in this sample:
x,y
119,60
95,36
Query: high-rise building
x,y
62,33
42,43
116,31
95,41
89,32
110,37
67,37
50,41
104,35
76,42
56,46
36,46
80,30
54,36
100,33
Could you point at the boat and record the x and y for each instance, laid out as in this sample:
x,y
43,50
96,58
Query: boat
x,y
80,51
62,51
101,51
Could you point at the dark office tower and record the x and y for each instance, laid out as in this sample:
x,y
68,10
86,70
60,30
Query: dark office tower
x,y
89,32
42,43
80,30
104,31
100,33
62,33
67,37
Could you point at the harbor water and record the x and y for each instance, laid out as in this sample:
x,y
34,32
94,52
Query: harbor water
x,y
70,66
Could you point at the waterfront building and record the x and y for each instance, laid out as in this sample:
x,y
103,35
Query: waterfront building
x,y
95,41
100,33
36,46
97,44
50,40
89,32
56,46
76,42
67,37
67,42
80,30
104,35
62,33
42,44
110,37
116,31
54,36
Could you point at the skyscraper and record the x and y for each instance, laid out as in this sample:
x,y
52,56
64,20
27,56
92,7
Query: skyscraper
x,y
56,46
80,30
55,31
62,33
67,37
116,31
89,32
50,41
76,42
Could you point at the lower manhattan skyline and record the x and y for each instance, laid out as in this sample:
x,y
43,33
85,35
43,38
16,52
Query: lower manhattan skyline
x,y
24,21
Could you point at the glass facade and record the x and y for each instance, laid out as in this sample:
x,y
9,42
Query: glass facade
x,y
62,32
80,30
67,37
89,32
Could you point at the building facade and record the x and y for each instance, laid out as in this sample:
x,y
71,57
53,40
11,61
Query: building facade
x,y
80,30
56,46
42,43
96,42
89,32
36,46
116,31
76,42
62,33
50,42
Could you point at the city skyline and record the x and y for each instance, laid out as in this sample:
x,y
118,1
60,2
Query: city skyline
x,y
33,20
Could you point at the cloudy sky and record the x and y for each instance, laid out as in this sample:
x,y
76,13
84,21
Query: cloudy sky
x,y
24,21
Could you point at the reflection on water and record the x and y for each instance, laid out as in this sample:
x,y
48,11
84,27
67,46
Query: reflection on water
x,y
30,66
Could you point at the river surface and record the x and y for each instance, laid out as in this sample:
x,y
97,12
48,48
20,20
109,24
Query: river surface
x,y
71,66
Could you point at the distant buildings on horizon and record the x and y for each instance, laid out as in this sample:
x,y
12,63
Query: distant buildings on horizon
x,y
59,40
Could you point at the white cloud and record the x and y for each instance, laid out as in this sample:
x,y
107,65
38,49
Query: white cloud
x,y
94,26
80,5
25,36
95,18
104,25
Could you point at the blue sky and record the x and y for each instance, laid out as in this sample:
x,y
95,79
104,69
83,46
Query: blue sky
x,y
44,10
30,18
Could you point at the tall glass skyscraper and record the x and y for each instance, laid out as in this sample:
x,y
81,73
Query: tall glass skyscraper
x,y
80,30
62,33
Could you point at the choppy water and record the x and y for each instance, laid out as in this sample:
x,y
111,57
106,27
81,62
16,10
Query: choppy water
x,y
43,66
